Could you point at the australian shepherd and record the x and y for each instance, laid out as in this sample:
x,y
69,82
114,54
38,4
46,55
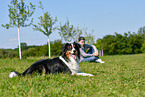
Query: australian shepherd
x,y
68,62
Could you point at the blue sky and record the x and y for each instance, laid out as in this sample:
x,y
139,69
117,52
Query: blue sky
x,y
103,16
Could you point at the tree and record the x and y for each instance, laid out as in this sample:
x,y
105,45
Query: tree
x,y
67,31
99,44
121,44
141,32
70,33
136,43
45,25
89,38
23,44
143,47
19,13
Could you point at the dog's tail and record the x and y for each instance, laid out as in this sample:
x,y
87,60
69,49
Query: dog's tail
x,y
14,73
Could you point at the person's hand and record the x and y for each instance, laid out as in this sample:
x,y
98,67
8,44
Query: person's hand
x,y
95,53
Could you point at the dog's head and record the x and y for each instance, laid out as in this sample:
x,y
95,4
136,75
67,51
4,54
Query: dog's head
x,y
71,50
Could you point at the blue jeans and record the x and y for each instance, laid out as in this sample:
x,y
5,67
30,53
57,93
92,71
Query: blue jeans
x,y
90,59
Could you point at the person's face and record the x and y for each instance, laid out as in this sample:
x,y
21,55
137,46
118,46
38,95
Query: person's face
x,y
82,42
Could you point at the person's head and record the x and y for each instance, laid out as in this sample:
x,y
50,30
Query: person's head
x,y
81,40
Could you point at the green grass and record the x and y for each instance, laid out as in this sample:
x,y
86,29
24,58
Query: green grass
x,y
121,75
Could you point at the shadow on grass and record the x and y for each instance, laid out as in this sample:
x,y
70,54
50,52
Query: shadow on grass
x,y
99,72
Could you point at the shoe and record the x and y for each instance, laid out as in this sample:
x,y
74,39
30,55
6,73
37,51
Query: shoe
x,y
100,61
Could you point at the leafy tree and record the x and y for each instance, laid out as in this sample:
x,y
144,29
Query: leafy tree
x,y
79,32
99,44
107,44
19,13
70,33
67,31
121,44
89,38
83,32
141,32
45,25
135,42
143,47
23,45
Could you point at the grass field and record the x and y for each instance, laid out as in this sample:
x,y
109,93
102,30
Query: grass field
x,y
121,75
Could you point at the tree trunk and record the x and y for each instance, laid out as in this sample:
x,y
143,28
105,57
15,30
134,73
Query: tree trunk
x,y
19,43
49,47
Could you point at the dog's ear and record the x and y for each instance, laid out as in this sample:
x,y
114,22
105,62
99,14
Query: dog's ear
x,y
77,44
64,49
77,47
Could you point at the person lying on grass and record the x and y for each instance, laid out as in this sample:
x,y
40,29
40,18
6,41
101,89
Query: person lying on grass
x,y
88,52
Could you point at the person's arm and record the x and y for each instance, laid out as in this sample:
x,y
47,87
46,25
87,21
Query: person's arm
x,y
96,50
85,54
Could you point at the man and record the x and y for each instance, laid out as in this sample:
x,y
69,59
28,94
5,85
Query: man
x,y
88,52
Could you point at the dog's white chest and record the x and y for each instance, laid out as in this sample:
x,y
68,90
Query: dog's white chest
x,y
73,65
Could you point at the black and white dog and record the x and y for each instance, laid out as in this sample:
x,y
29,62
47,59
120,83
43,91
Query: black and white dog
x,y
68,62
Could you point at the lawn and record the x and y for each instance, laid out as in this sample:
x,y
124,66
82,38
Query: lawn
x,y
121,75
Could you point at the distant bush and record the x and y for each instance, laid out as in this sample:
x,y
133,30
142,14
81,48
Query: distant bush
x,y
121,44
56,50
8,53
143,47
110,44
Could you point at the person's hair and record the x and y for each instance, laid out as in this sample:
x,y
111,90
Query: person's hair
x,y
81,38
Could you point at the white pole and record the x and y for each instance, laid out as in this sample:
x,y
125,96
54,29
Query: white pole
x,y
49,47
19,43
102,52
99,52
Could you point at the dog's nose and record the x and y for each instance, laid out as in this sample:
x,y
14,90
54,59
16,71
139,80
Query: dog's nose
x,y
74,51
